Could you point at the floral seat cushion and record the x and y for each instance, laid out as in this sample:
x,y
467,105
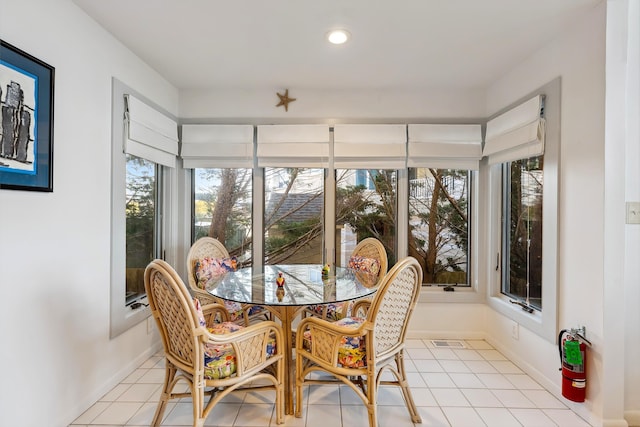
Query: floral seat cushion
x,y
335,311
366,270
352,352
208,270
364,264
220,359
235,310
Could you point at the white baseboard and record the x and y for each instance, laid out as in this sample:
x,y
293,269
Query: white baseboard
x,y
90,399
614,423
632,418
440,335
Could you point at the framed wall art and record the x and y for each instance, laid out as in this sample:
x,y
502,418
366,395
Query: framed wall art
x,y
26,121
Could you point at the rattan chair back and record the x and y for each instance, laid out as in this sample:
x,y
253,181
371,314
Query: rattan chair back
x,y
203,247
393,305
213,248
176,315
371,247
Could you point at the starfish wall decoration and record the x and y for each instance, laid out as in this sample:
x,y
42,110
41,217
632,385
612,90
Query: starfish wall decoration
x,y
284,100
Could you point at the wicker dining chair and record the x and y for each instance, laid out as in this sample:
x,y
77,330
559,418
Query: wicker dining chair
x,y
357,351
212,249
213,360
369,248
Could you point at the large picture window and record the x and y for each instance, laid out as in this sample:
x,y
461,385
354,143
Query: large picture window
x,y
222,208
366,206
294,215
439,224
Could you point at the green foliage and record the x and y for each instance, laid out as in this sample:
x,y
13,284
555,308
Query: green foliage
x,y
233,187
371,213
525,229
140,211
438,208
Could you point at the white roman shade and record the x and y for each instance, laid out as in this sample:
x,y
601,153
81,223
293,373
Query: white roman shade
x,y
149,133
516,134
217,146
370,146
293,146
444,146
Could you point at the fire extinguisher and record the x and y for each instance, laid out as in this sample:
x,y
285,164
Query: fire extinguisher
x,y
573,349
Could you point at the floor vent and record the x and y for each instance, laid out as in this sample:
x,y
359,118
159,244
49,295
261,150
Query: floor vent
x,y
448,344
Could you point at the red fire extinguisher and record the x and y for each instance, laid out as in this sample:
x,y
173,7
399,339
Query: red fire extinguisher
x,y
573,349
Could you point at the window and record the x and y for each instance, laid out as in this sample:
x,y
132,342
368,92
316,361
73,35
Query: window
x,y
143,155
443,160
294,158
367,158
522,212
222,208
294,215
142,227
523,152
366,204
439,209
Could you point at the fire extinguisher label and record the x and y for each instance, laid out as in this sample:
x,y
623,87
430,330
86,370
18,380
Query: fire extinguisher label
x,y
573,355
579,384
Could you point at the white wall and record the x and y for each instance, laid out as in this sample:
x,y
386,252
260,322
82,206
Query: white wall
x,y
589,292
56,354
631,90
448,320
331,106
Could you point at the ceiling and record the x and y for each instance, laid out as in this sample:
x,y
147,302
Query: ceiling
x,y
273,44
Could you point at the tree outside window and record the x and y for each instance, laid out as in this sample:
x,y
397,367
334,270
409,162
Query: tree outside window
x,y
223,208
294,216
141,222
439,224
522,208
366,206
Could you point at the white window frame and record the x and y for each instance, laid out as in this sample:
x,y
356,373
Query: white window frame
x,y
542,323
122,317
476,291
444,146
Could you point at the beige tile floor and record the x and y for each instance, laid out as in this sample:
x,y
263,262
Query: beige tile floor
x,y
465,387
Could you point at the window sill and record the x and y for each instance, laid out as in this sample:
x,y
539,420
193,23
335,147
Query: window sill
x,y
437,294
535,321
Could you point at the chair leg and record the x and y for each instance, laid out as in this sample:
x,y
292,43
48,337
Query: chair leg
x,y
406,391
245,315
280,393
372,407
169,375
197,396
299,380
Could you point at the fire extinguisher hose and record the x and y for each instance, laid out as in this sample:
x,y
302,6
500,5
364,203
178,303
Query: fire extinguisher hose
x,y
562,332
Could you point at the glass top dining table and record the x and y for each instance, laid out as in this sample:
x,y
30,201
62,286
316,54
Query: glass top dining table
x,y
303,285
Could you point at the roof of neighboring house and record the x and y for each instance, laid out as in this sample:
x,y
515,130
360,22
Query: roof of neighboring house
x,y
304,206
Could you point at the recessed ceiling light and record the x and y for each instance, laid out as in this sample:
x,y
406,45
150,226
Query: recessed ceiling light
x,y
338,36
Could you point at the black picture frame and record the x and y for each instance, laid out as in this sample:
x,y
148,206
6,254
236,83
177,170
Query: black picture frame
x,y
26,121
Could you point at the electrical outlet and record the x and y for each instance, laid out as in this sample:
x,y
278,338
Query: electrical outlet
x,y
515,331
633,213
